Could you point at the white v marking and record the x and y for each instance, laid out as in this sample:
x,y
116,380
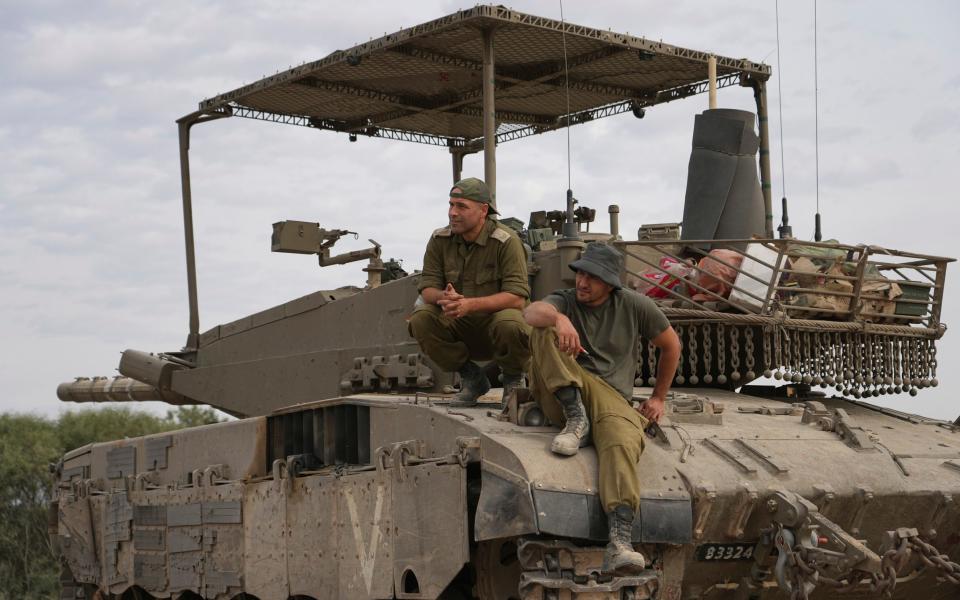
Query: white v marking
x,y
367,555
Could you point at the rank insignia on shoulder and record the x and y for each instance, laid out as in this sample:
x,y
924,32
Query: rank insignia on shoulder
x,y
500,235
442,232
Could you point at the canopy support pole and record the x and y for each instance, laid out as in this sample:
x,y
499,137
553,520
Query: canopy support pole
x,y
712,81
457,158
760,95
183,126
489,117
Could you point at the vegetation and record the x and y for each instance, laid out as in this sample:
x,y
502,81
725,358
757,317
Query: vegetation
x,y
28,446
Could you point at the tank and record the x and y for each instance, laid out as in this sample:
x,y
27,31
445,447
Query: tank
x,y
347,474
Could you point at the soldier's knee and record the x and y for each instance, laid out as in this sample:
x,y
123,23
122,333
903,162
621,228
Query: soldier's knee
x,y
509,325
541,340
539,335
420,322
507,329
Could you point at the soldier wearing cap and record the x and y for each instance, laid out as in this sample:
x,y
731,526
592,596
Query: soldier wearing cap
x,y
474,285
585,349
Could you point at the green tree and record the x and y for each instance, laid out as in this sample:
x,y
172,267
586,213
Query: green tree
x,y
81,427
193,416
28,446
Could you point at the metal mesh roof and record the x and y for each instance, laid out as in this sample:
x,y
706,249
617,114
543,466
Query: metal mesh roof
x,y
424,83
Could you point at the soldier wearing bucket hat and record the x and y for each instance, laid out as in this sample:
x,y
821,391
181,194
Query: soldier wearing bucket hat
x,y
584,352
603,262
473,286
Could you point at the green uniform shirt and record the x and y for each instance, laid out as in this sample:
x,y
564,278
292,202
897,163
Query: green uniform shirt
x,y
494,262
611,332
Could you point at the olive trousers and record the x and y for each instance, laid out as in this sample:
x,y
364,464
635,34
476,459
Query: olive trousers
x,y
617,428
501,336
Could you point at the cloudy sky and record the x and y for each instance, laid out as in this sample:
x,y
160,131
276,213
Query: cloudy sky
x,y
91,247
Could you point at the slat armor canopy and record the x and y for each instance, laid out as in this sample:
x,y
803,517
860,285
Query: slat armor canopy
x,y
424,83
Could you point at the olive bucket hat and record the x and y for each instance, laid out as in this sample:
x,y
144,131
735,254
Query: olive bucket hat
x,y
602,261
474,189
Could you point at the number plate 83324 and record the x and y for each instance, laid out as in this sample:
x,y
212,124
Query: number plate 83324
x,y
735,551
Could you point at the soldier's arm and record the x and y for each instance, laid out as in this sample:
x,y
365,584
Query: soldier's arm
x,y
431,278
541,314
513,269
431,295
544,314
669,345
483,304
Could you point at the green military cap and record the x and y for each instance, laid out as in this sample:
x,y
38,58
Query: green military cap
x,y
474,189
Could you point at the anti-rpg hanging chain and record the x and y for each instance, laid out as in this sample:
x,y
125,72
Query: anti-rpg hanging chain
x,y
692,353
817,379
680,379
934,382
708,353
888,365
897,365
805,574
721,354
767,353
787,363
651,364
807,359
748,347
797,358
861,364
735,354
833,359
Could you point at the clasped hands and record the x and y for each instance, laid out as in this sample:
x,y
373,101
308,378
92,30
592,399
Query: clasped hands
x,y
454,304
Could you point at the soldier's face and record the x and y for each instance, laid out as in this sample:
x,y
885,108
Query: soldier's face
x,y
465,215
591,290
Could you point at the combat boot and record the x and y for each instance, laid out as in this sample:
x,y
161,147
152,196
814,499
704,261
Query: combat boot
x,y
473,384
510,384
575,432
620,558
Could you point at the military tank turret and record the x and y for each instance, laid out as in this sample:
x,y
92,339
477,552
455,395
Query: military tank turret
x,y
347,473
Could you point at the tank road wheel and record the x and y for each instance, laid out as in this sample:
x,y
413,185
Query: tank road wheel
x,y
497,569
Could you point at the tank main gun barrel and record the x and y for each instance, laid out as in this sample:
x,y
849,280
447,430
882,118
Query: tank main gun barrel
x,y
117,389
143,377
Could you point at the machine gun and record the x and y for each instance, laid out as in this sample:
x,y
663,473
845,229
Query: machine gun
x,y
305,237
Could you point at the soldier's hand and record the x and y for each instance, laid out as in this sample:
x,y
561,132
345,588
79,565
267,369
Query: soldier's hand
x,y
458,308
568,340
450,293
652,408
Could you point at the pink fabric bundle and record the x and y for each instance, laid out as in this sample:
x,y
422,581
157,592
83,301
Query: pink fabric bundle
x,y
716,276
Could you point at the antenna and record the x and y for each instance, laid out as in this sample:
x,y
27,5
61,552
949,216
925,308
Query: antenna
x,y
817,234
570,229
784,229
786,232
566,88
